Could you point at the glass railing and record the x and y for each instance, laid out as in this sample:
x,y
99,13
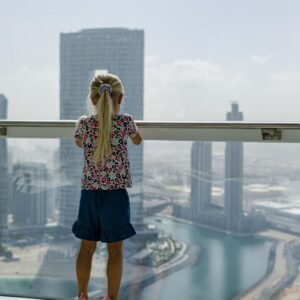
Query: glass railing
x,y
215,205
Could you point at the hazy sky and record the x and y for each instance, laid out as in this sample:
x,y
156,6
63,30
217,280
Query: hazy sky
x,y
199,55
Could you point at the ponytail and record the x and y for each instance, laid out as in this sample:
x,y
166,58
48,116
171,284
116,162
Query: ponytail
x,y
104,109
105,112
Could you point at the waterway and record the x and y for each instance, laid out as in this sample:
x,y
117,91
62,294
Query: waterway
x,y
227,265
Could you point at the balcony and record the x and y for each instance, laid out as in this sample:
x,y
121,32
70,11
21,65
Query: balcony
x,y
185,241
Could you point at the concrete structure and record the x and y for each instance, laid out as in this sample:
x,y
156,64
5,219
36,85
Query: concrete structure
x,y
4,193
119,51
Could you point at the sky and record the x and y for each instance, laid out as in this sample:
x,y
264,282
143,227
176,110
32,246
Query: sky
x,y
199,55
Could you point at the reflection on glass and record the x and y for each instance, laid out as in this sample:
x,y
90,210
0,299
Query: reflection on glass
x,y
177,254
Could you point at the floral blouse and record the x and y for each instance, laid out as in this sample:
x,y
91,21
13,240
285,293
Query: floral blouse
x,y
114,172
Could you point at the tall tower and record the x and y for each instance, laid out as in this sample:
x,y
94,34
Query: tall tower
x,y
201,185
119,51
234,176
30,194
3,175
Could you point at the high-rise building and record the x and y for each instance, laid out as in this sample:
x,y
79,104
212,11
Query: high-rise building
x,y
116,50
201,181
202,209
4,193
233,201
30,186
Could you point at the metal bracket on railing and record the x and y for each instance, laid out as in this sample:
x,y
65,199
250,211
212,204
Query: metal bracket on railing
x,y
3,131
271,134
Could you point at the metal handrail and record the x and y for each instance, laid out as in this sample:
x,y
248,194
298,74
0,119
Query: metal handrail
x,y
284,132
161,124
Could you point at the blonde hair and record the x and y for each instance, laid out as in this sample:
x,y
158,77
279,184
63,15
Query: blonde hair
x,y
104,110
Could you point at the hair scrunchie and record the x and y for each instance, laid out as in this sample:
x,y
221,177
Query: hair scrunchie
x,y
104,88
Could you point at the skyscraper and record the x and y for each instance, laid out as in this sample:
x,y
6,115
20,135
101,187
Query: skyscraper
x,y
30,194
119,51
3,175
201,185
233,201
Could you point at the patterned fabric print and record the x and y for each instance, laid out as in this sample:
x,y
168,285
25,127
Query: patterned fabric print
x,y
115,172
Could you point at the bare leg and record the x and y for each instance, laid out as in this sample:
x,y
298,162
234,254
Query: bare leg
x,y
84,265
114,268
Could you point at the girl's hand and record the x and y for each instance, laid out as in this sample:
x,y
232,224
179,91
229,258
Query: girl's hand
x,y
78,142
137,139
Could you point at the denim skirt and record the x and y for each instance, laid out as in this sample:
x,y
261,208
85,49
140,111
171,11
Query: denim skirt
x,y
104,215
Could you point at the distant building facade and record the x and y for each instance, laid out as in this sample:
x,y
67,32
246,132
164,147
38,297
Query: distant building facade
x,y
201,179
30,194
234,166
4,192
201,210
119,51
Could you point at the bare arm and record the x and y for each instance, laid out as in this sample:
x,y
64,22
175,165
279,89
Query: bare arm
x,y
79,132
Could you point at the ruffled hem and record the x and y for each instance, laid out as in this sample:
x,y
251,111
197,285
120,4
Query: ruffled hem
x,y
85,233
116,235
105,236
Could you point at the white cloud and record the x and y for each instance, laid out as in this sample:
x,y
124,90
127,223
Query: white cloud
x,y
284,77
179,90
261,59
174,91
200,90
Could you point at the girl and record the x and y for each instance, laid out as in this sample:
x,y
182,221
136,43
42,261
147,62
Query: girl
x,y
104,209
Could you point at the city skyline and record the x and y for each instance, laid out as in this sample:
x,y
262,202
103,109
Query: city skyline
x,y
221,219
56,259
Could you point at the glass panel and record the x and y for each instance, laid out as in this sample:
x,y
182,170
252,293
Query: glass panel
x,y
213,221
